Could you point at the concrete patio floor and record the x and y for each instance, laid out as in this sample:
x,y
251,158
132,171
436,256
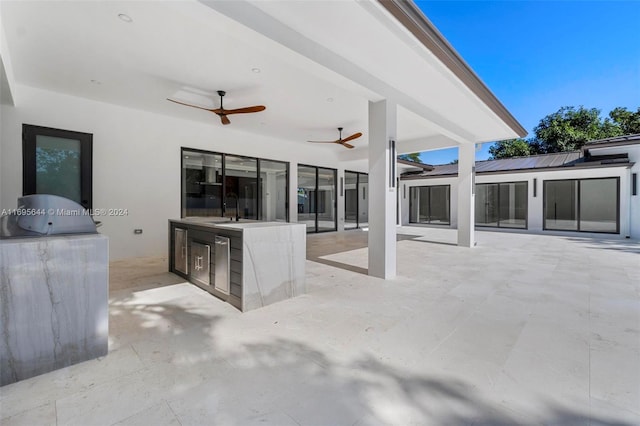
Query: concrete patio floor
x,y
522,329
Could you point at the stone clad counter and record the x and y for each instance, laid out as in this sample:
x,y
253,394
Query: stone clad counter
x,y
268,259
53,303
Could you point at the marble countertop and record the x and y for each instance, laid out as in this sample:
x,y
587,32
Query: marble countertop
x,y
227,224
35,239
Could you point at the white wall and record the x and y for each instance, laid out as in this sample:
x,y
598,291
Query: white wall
x,y
136,160
629,206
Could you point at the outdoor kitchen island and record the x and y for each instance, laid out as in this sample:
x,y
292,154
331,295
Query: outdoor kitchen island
x,y
249,264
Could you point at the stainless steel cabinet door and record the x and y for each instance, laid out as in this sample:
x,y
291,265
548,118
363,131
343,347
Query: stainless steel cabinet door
x,y
180,251
200,263
222,259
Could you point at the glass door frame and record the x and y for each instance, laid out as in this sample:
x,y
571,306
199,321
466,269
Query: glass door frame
x,y
315,198
358,174
286,201
223,156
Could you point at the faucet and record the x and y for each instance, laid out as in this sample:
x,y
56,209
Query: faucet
x,y
237,205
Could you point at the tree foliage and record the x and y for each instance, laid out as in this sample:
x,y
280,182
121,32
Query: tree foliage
x,y
628,121
509,148
567,130
414,156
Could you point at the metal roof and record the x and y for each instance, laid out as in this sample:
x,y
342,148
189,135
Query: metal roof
x,y
615,141
533,162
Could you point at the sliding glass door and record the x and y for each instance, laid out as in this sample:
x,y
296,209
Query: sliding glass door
x,y
502,205
317,198
429,204
201,184
224,185
241,187
274,190
356,204
587,205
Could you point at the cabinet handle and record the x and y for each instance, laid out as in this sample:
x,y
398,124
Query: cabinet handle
x,y
199,263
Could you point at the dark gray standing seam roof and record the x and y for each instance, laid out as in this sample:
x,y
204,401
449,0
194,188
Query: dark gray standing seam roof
x,y
615,141
533,162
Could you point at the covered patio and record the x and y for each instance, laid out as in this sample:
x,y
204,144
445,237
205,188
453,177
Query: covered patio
x,y
524,329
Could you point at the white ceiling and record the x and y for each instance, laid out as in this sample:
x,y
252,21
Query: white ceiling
x,y
84,49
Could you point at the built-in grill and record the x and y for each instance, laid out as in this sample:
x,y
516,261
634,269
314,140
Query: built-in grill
x,y
40,215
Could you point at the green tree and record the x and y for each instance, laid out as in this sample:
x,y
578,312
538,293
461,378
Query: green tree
x,y
509,148
628,121
414,156
569,128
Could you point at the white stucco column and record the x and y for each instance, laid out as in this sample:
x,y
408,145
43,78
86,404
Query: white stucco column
x,y
466,195
382,191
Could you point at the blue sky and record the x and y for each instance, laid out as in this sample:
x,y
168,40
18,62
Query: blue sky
x,y
537,56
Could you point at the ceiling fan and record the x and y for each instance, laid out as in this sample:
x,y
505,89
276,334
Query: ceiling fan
x,y
341,141
221,112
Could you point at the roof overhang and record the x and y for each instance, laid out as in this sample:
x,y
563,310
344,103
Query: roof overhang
x,y
352,52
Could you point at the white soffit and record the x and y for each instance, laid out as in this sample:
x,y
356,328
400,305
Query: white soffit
x,y
362,41
312,65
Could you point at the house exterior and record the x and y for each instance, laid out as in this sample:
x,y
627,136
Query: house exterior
x,y
587,192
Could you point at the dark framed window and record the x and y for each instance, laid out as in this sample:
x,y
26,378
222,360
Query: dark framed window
x,y
225,185
57,162
430,204
356,204
317,205
583,205
502,205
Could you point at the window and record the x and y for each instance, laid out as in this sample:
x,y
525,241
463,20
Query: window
x,y
356,205
317,189
57,162
429,204
586,205
274,190
224,185
501,205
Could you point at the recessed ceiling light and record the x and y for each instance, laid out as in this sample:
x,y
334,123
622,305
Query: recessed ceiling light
x,y
124,17
329,99
255,70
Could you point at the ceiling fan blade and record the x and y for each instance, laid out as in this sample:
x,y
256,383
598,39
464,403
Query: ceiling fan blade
x,y
322,141
189,105
346,145
224,119
352,137
246,110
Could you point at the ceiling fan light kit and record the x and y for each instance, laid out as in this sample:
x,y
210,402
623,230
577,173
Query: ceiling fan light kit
x,y
223,113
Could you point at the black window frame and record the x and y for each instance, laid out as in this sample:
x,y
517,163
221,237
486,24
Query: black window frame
x,y
526,220
29,134
448,223
223,156
579,206
315,198
358,174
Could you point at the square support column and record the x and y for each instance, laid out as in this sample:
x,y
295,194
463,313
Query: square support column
x,y
466,195
382,190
